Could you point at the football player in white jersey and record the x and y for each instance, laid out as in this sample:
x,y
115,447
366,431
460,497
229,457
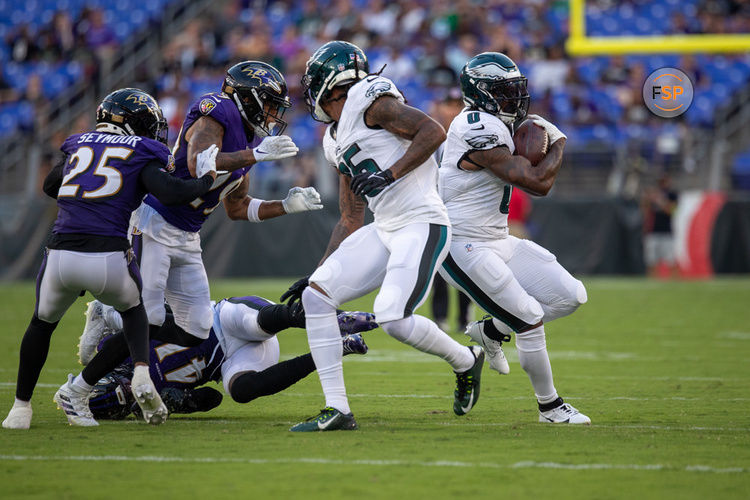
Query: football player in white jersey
x,y
519,283
383,150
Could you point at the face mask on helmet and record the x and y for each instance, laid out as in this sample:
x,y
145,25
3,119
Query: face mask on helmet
x,y
511,96
262,111
159,130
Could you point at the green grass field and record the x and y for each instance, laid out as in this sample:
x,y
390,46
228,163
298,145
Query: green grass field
x,y
661,368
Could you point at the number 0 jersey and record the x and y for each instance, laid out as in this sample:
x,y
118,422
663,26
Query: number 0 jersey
x,y
477,200
357,148
100,186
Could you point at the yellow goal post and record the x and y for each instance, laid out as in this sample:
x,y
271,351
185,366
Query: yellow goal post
x,y
578,44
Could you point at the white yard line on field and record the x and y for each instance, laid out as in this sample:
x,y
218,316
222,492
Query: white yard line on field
x,y
386,463
498,398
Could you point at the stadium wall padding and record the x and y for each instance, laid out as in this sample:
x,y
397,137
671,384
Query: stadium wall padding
x,y
589,236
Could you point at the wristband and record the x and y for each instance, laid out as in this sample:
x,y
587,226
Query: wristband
x,y
252,210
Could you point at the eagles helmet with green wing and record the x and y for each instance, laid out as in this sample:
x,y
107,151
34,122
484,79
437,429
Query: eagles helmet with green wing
x,y
492,82
335,63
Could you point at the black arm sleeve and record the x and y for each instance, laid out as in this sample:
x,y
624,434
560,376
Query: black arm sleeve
x,y
54,178
172,190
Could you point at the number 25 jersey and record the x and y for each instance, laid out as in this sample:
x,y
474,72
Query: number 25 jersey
x,y
100,186
358,147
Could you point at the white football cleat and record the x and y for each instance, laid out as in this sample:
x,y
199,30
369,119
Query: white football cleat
x,y
493,348
94,331
563,414
75,403
19,417
154,410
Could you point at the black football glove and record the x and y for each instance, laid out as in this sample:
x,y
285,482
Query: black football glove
x,y
294,293
366,182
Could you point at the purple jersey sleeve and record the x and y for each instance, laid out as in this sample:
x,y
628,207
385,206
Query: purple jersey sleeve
x,y
219,107
101,187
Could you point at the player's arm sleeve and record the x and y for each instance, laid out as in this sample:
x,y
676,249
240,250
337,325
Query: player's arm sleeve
x,y
172,190
54,178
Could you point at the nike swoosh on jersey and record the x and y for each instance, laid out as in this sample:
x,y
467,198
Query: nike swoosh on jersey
x,y
370,79
481,127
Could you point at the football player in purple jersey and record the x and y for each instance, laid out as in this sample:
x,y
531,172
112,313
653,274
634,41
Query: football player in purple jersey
x,y
240,120
241,350
102,178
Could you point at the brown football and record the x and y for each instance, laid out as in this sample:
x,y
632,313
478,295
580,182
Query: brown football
x,y
531,141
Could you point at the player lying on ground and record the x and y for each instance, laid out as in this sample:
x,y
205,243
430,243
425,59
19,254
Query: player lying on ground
x,y
518,282
383,151
102,178
240,120
241,350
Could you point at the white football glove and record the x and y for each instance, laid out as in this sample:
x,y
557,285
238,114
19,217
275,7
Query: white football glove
x,y
275,147
301,200
206,161
552,131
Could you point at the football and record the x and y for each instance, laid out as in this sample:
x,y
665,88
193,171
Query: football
x,y
531,141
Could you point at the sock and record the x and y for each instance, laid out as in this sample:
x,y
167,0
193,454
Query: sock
x,y
496,330
113,352
33,355
136,331
112,318
19,403
276,378
532,354
81,385
170,332
277,317
424,335
326,348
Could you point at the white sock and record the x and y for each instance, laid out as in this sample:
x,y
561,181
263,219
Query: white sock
x,y
81,385
20,403
112,318
532,354
424,335
326,346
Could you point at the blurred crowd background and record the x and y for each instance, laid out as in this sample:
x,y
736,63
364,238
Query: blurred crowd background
x,y
626,172
50,44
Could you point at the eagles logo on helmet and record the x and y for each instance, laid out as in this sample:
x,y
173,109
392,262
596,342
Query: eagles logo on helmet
x,y
335,63
260,93
492,82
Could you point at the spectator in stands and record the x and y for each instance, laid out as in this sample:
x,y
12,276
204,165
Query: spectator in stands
x,y
22,44
659,203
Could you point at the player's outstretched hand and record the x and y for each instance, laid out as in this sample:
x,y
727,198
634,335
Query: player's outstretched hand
x,y
275,147
301,200
206,163
294,293
552,131
366,182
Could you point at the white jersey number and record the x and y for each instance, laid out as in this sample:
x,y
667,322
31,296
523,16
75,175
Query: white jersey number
x,y
84,157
